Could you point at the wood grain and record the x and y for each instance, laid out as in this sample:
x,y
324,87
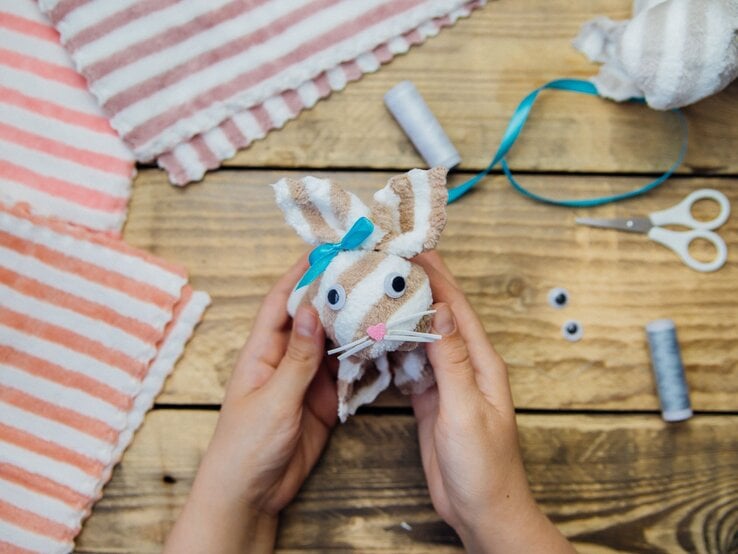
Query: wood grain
x,y
611,484
474,74
507,253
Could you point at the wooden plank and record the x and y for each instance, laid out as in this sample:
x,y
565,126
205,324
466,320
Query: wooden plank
x,y
507,252
611,483
473,76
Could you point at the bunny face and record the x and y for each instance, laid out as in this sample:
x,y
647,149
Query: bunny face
x,y
371,299
372,293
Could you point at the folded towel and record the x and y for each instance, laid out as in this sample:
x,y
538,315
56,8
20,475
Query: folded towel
x,y
189,160
89,330
672,53
166,72
58,152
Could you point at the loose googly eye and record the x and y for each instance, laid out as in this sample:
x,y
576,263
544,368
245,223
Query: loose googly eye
x,y
394,285
558,297
572,330
336,297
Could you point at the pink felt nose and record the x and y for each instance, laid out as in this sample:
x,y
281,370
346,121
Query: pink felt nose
x,y
377,331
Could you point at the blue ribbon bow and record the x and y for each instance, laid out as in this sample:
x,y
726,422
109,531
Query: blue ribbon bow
x,y
323,254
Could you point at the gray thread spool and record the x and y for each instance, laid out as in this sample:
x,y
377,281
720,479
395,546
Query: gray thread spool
x,y
415,117
668,370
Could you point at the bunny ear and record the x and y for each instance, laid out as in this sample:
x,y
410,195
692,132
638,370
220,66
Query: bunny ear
x,y
411,209
319,210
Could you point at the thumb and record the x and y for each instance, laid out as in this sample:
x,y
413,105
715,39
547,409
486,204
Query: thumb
x,y
303,357
450,360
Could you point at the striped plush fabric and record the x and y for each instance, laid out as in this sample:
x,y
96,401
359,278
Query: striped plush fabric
x,y
373,302
89,330
58,152
672,52
190,82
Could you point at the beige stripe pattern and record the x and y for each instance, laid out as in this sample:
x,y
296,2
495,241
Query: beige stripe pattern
x,y
320,211
415,204
373,319
349,279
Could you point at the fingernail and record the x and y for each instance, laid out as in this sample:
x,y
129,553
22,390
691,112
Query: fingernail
x,y
306,322
444,321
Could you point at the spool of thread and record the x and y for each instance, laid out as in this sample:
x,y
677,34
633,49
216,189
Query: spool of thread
x,y
420,125
668,370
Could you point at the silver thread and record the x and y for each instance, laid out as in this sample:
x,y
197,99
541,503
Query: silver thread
x,y
420,125
668,370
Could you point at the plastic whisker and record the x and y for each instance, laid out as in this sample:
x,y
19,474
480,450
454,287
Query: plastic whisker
x,y
355,349
347,346
393,324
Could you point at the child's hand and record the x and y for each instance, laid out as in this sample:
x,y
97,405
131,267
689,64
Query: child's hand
x,y
279,409
468,437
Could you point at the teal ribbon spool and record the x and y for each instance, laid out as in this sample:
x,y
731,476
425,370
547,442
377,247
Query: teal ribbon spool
x,y
517,122
323,254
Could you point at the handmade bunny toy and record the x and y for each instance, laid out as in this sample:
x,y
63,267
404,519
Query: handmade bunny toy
x,y
374,304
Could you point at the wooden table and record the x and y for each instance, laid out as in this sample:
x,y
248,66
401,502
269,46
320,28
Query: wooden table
x,y
603,465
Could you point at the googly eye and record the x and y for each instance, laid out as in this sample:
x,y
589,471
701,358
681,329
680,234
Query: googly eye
x,y
394,285
336,297
558,298
572,330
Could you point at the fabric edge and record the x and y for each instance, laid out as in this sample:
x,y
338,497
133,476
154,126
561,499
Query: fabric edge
x,y
179,175
161,367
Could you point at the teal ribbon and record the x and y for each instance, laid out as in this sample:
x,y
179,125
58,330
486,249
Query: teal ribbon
x,y
323,254
517,122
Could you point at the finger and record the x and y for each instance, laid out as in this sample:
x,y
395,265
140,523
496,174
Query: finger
x,y
443,285
301,360
322,399
425,405
272,315
489,367
268,338
451,363
445,291
314,438
332,365
433,259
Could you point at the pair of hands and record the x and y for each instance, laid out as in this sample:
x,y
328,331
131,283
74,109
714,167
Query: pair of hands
x,y
280,407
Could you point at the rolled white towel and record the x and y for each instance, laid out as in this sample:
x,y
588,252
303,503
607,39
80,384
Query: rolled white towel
x,y
672,52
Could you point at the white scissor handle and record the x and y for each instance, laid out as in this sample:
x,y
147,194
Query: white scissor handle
x,y
679,242
681,214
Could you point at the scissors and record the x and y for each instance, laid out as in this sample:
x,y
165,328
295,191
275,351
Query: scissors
x,y
678,241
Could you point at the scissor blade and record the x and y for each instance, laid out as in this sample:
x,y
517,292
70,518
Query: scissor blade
x,y
630,224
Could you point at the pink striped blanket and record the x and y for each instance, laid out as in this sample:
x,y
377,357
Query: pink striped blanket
x,y
89,330
58,153
89,327
189,82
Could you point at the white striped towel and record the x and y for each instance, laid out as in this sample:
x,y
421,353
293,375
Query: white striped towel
x,y
58,152
673,53
89,330
191,82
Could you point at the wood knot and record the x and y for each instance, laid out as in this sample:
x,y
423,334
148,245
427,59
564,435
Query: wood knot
x,y
168,479
515,287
